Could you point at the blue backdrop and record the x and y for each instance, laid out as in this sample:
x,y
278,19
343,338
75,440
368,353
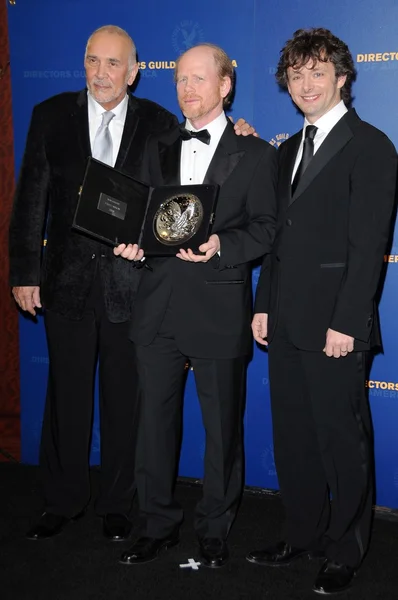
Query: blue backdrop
x,y
48,39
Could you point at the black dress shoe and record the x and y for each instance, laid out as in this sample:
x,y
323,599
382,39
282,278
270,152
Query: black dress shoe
x,y
213,552
333,578
50,525
280,555
146,549
116,527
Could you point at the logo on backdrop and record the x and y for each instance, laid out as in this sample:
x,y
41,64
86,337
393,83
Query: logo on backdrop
x,y
279,139
268,461
391,258
186,35
382,389
374,60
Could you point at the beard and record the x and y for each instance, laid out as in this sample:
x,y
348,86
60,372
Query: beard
x,y
108,92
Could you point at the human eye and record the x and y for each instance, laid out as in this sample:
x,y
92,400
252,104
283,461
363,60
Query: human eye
x,y
91,60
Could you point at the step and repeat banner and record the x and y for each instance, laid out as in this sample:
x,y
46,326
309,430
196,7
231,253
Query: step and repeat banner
x,y
48,38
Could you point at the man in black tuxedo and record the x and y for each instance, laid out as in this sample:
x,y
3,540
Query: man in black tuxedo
x,y
86,291
198,307
315,307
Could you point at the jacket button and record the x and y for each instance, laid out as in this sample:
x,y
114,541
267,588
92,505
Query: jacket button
x,y
289,222
93,256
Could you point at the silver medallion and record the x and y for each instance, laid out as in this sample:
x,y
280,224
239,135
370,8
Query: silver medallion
x,y
178,219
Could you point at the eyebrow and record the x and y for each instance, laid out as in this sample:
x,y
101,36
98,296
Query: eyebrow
x,y
108,58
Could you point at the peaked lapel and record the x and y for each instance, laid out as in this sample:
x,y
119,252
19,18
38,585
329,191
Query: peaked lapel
x,y
225,159
80,115
339,136
130,126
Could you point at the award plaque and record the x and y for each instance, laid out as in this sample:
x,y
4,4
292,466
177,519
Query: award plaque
x,y
111,206
117,209
178,217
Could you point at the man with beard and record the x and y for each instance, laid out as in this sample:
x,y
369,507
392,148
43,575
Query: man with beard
x,y
198,307
86,291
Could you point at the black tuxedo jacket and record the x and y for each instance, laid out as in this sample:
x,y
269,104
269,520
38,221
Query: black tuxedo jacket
x,y
52,171
331,236
212,302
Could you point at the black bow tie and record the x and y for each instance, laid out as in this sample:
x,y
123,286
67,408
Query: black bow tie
x,y
203,135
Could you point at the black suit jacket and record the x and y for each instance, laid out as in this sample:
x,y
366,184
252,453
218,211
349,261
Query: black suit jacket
x,y
331,236
52,171
212,302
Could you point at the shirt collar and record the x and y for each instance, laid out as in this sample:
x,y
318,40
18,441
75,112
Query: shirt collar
x,y
329,120
119,111
215,127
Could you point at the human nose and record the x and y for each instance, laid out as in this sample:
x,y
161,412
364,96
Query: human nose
x,y
307,83
101,70
189,85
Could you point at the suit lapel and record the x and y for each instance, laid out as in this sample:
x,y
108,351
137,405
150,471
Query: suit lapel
x,y
170,159
339,136
81,124
130,126
287,165
225,159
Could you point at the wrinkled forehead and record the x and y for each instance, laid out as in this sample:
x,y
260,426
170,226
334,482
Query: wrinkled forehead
x,y
109,45
197,59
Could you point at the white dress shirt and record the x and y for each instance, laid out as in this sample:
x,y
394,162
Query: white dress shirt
x,y
196,156
325,125
116,125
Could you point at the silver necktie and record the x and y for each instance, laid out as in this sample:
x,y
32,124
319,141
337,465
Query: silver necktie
x,y
103,146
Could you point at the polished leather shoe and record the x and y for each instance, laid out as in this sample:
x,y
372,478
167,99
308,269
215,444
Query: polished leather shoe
x,y
213,552
146,549
50,525
116,527
280,555
333,578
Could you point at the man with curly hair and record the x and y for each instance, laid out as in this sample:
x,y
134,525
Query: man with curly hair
x,y
315,308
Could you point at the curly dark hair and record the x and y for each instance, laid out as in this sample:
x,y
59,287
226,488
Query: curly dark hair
x,y
317,44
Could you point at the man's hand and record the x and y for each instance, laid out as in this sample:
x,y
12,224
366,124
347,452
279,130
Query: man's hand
x,y
27,297
338,344
211,247
243,128
130,252
260,328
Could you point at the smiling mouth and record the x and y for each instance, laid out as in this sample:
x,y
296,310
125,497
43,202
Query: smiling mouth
x,y
310,98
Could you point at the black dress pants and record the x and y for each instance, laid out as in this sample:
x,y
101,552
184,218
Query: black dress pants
x,y
323,446
220,386
74,348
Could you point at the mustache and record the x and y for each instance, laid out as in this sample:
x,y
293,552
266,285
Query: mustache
x,y
101,82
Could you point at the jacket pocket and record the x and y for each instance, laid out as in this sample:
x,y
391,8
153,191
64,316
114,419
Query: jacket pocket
x,y
332,265
228,282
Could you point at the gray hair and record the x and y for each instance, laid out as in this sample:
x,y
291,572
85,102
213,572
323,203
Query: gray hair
x,y
114,29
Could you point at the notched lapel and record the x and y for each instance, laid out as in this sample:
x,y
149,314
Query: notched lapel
x,y
80,115
287,167
340,135
130,126
225,159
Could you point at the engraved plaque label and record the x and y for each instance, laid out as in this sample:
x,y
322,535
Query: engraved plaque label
x,y
178,219
111,206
